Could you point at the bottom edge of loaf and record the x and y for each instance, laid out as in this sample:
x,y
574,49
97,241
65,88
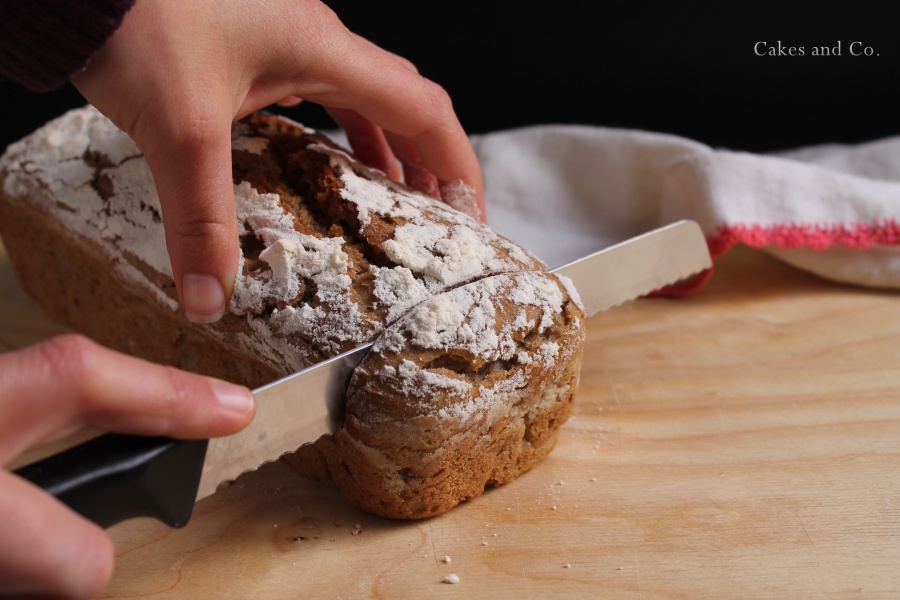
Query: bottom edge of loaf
x,y
491,455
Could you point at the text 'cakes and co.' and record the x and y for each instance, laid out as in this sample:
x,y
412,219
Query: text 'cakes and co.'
x,y
779,48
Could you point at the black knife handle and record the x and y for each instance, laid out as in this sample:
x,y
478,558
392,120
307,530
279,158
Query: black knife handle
x,y
116,477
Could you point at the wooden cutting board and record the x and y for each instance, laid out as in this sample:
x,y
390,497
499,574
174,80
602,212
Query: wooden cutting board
x,y
743,442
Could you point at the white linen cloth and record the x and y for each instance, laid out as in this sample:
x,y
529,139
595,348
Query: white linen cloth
x,y
564,191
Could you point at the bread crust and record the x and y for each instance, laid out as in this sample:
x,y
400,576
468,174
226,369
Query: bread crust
x,y
432,422
333,255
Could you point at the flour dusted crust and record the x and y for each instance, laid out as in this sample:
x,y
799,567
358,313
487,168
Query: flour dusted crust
x,y
333,255
465,392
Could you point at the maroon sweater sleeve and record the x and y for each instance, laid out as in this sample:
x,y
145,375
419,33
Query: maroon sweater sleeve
x,y
44,42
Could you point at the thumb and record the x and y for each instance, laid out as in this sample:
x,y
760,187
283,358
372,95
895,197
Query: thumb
x,y
190,159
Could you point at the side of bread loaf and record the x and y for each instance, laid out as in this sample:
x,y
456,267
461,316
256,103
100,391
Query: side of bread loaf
x,y
333,253
465,392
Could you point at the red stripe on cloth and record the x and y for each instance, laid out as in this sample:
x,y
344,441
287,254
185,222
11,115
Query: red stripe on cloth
x,y
805,235
792,235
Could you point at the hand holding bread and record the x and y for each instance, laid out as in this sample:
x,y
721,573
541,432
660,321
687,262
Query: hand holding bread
x,y
176,74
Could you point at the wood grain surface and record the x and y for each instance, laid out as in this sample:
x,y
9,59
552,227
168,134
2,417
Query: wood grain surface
x,y
743,442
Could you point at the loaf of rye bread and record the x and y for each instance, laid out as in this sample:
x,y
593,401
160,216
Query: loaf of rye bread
x,y
477,347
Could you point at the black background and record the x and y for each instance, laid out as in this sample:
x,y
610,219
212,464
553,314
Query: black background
x,y
653,65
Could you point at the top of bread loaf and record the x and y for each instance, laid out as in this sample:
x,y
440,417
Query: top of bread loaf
x,y
332,251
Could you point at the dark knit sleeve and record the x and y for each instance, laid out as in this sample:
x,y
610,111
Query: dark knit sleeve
x,y
44,42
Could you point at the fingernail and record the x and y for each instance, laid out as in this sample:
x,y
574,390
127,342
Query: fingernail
x,y
204,299
420,178
461,196
234,397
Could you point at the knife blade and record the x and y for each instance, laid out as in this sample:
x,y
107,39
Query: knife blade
x,y
638,266
115,476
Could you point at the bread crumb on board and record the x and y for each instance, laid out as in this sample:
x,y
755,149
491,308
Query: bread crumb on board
x,y
447,560
451,578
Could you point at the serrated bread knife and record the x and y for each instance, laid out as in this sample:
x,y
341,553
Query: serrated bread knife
x,y
116,477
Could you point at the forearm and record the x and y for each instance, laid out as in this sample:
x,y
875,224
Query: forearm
x,y
44,42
